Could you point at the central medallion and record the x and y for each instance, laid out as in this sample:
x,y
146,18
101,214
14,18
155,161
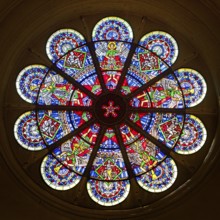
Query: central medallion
x,y
110,109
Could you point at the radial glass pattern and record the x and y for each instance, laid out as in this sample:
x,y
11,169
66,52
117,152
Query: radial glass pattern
x,y
110,110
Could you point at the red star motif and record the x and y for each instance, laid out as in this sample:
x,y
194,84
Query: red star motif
x,y
110,109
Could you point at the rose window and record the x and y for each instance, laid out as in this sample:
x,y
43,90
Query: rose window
x,y
111,112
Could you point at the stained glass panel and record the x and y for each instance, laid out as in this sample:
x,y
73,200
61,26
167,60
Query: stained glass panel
x,y
160,178
112,55
162,44
54,125
111,79
128,134
129,85
27,133
141,100
193,136
68,117
145,65
74,154
90,134
109,165
109,140
166,93
112,28
193,85
29,80
55,90
79,98
166,127
143,155
108,193
77,63
78,118
56,175
141,119
61,42
92,84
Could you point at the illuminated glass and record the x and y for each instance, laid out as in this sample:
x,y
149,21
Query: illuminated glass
x,y
162,44
63,41
110,110
193,86
160,178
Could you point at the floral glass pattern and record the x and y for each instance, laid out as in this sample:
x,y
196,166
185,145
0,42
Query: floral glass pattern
x,y
110,109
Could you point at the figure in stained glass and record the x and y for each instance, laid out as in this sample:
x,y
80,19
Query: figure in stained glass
x,y
166,93
166,127
155,110
55,90
74,154
143,155
75,59
109,165
112,55
148,62
49,126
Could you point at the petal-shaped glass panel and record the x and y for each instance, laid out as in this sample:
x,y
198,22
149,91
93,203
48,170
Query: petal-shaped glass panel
x,y
112,55
193,136
166,93
162,44
54,125
159,178
112,28
27,133
109,165
143,155
74,154
145,65
128,134
141,119
29,80
108,193
55,90
56,175
166,127
63,41
193,85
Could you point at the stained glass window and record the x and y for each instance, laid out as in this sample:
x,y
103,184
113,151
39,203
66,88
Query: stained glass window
x,y
111,111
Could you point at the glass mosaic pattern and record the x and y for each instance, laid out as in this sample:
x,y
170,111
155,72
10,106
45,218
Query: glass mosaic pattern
x,y
109,110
